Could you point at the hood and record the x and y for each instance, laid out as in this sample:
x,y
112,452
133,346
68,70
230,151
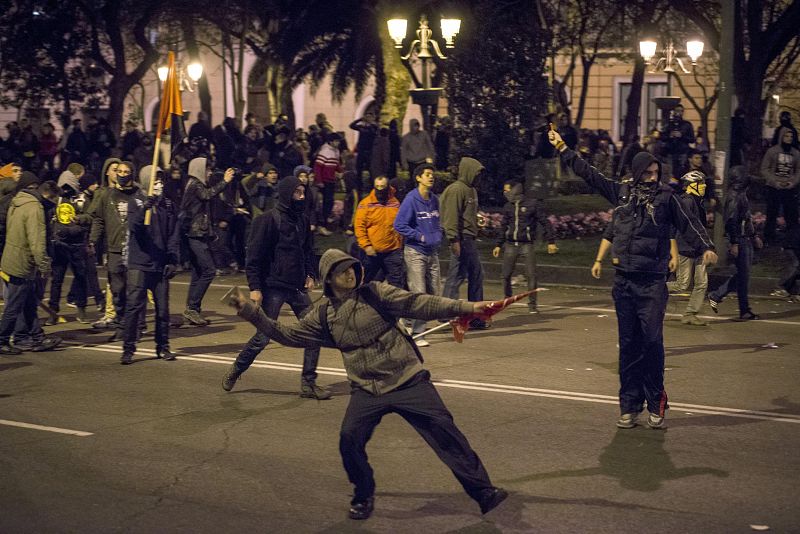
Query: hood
x,y
109,161
640,162
197,169
330,259
286,188
301,168
144,176
265,168
515,194
67,178
468,169
24,197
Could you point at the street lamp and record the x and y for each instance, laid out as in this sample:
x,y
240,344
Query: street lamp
x,y
648,46
188,79
424,47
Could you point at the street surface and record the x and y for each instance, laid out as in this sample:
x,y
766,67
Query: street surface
x,y
87,445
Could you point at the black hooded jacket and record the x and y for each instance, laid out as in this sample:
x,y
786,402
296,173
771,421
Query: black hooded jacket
x,y
152,247
521,214
279,250
642,220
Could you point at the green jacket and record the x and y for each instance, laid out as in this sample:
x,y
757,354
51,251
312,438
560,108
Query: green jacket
x,y
459,203
26,238
378,358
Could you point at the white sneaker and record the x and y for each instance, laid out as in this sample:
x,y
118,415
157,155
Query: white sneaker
x,y
422,343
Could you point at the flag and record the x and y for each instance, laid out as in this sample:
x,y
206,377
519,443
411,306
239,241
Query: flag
x,y
461,325
171,111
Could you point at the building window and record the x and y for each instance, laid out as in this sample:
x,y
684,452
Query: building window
x,y
652,87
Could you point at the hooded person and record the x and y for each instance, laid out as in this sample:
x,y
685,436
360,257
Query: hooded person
x,y
153,252
780,167
376,235
24,261
313,195
108,175
261,188
459,206
69,180
521,215
109,211
645,214
385,371
197,226
742,239
280,270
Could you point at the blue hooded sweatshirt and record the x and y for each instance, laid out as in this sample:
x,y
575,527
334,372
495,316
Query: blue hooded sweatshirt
x,y
418,217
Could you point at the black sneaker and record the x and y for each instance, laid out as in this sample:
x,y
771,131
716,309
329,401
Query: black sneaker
x,y
165,354
749,316
9,350
714,304
313,391
48,343
477,324
127,358
230,378
194,317
490,498
361,509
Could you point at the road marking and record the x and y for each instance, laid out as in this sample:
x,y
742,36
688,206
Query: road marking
x,y
46,428
477,386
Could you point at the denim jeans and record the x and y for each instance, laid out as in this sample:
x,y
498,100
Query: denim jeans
x,y
19,313
511,252
274,299
467,267
136,302
390,263
740,280
202,272
423,276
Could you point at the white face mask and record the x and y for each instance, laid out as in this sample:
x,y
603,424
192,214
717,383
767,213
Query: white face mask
x,y
158,188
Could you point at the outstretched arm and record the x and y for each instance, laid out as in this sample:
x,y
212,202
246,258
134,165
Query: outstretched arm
x,y
600,183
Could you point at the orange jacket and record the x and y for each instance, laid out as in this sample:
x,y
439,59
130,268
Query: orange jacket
x,y
374,225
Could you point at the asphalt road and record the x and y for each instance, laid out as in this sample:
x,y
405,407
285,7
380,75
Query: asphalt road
x,y
162,448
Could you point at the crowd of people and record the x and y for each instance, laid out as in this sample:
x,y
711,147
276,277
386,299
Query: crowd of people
x,y
253,200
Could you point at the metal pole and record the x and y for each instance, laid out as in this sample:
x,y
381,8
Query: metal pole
x,y
723,137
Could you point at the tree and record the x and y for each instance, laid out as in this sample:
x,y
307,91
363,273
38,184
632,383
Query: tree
x,y
766,46
496,90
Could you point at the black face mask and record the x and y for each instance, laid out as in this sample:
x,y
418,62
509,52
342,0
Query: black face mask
x,y
298,206
382,195
48,205
125,181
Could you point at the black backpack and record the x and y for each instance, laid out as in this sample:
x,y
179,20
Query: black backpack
x,y
371,298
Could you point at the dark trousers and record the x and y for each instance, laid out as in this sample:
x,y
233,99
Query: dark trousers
x,y
68,256
117,279
788,283
363,161
19,312
202,272
92,283
274,299
467,267
511,252
391,263
328,189
136,303
220,247
419,403
641,300
777,199
237,238
740,280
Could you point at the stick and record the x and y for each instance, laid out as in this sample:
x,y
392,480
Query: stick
x,y
434,329
153,168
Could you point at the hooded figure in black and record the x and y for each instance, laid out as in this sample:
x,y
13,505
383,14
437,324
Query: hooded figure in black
x,y
153,252
743,240
645,213
280,270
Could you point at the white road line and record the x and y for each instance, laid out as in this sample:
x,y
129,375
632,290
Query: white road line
x,y
481,386
45,428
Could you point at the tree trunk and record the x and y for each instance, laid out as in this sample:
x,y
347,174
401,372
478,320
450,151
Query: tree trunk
x,y
117,91
632,119
203,92
587,67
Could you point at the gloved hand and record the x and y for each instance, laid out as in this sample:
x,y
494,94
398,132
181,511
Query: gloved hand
x,y
170,271
150,202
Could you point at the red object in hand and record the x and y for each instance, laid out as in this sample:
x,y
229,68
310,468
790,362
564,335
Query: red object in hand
x,y
461,325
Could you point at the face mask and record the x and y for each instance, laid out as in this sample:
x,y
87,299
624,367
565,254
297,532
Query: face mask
x,y
298,206
48,205
125,181
697,189
382,195
509,195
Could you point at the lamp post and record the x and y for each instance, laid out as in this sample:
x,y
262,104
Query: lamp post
x,y
648,47
188,77
424,46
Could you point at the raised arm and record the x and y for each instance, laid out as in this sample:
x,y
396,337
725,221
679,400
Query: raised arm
x,y
602,184
307,333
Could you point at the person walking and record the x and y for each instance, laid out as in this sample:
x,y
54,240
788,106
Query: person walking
x,y
374,230
644,215
280,271
197,226
417,221
459,204
521,216
385,371
781,170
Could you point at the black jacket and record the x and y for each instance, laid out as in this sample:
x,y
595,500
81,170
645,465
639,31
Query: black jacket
x,y
151,248
642,223
520,218
279,250
693,205
109,211
196,207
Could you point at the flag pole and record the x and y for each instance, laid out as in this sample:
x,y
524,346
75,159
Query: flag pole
x,y
163,119
432,330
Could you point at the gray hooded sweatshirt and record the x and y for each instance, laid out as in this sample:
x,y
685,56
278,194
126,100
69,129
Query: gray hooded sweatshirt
x,y
459,203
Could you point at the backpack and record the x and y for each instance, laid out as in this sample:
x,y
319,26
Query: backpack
x,y
371,298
